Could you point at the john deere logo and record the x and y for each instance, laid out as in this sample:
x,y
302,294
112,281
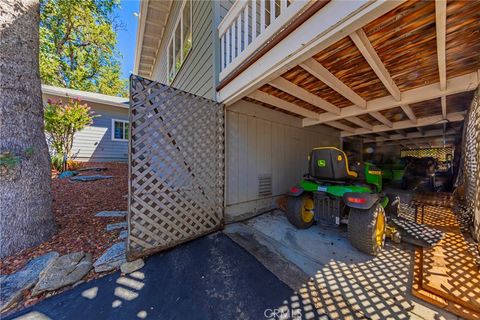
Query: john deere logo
x,y
321,163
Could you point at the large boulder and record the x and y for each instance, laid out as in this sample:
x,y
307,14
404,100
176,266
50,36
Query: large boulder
x,y
66,270
111,259
12,286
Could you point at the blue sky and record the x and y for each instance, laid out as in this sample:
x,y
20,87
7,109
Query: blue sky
x,y
126,36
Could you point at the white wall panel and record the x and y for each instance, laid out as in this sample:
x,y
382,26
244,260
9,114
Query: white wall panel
x,y
262,141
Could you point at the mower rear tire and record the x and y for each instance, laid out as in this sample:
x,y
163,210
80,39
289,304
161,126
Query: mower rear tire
x,y
366,229
300,211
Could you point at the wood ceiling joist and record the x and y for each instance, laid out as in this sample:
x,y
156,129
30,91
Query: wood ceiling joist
x,y
322,74
441,34
340,126
421,122
380,117
412,135
282,104
444,106
464,83
296,91
449,139
359,122
365,47
408,111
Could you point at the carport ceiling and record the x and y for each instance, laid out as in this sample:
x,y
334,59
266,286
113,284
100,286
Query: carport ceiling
x,y
415,66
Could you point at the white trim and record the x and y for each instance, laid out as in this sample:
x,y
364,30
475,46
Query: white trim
x,y
86,96
140,32
125,122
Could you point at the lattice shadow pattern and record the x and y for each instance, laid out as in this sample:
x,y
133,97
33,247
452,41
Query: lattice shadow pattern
x,y
176,167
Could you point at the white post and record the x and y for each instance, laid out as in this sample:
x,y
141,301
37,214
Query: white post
x,y
222,51
228,58
272,11
245,27
254,19
283,6
239,34
262,16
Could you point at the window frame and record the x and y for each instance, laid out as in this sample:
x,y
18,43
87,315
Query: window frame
x,y
125,123
171,44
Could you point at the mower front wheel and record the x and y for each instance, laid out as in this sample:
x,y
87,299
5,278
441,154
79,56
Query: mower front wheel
x,y
366,229
300,211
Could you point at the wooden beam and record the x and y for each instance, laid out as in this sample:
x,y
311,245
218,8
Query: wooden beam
x,y
455,85
296,91
340,126
282,104
363,44
380,117
411,135
409,112
360,122
321,73
441,32
444,106
421,122
433,141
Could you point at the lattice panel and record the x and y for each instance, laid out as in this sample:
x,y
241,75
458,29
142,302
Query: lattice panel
x,y
176,167
437,153
471,164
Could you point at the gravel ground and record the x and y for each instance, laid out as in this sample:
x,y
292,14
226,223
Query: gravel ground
x,y
74,207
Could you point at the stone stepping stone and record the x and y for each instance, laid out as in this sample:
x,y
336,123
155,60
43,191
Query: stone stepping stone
x,y
90,178
67,174
65,270
112,258
119,225
93,169
111,214
123,235
12,286
129,267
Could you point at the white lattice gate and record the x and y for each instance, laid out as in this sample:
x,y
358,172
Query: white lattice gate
x,y
176,167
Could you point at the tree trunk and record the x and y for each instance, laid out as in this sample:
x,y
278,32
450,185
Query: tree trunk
x,y
26,217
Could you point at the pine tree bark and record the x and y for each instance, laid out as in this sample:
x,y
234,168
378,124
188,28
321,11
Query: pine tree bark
x,y
26,217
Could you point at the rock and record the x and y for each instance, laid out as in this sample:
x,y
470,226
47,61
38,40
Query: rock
x,y
67,174
13,286
119,225
90,178
111,259
129,267
123,235
66,270
111,214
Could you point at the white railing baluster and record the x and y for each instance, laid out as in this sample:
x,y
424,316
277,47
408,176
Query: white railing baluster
x,y
283,6
272,11
262,16
235,47
228,57
222,52
245,27
254,19
239,35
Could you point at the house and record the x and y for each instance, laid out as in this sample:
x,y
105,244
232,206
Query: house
x,y
314,73
106,139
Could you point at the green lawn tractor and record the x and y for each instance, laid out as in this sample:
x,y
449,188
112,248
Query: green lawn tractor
x,y
332,194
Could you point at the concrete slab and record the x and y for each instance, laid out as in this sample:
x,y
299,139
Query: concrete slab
x,y
344,283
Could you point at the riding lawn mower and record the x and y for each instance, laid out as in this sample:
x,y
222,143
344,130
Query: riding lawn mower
x,y
332,194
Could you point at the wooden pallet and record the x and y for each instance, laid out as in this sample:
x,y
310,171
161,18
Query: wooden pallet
x,y
446,275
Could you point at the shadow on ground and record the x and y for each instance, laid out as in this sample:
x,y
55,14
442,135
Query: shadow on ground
x,y
210,278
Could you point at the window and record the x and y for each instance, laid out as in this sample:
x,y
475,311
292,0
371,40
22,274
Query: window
x,y
181,41
120,130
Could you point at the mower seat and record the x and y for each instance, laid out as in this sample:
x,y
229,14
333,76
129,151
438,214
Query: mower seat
x,y
330,163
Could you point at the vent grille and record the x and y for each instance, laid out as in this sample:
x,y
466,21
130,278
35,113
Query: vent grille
x,y
265,185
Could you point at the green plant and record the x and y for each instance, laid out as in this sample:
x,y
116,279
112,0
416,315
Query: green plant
x,y
57,161
62,121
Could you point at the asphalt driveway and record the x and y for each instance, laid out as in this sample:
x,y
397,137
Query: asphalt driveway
x,y
209,278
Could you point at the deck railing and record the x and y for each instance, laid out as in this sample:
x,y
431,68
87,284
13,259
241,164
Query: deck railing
x,y
251,23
